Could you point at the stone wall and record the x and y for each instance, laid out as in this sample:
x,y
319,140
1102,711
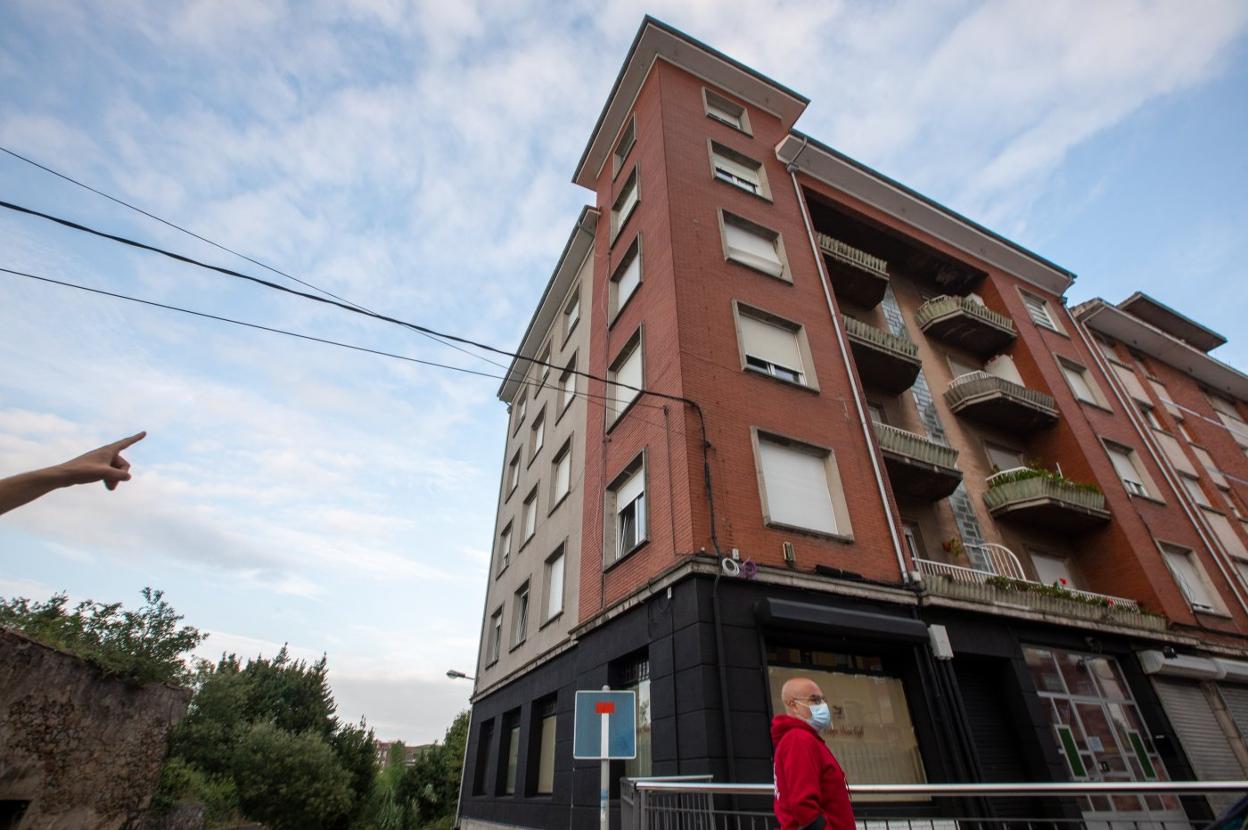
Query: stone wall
x,y
85,750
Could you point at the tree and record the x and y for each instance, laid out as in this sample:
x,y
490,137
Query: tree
x,y
291,781
354,747
143,646
431,784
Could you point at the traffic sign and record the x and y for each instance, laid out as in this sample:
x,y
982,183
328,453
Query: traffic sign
x,y
614,712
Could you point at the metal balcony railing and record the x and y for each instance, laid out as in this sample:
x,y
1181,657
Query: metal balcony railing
x,y
659,804
850,255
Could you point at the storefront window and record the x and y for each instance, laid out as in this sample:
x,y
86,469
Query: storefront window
x,y
635,676
872,735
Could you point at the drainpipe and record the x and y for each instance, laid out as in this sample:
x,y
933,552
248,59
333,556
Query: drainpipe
x,y
863,421
1163,463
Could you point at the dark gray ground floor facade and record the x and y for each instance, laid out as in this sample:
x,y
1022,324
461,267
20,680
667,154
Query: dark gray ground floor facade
x,y
1018,701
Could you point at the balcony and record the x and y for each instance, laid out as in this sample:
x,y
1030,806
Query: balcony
x,y
884,360
1000,403
916,466
965,322
1039,497
856,276
1007,587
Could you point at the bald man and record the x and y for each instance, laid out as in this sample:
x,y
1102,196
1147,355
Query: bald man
x,y
810,787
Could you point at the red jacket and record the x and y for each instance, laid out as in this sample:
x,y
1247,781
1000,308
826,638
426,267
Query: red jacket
x,y
810,786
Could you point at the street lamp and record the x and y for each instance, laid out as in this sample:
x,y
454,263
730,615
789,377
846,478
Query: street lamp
x,y
458,675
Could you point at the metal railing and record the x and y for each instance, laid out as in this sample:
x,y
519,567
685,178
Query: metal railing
x,y
659,804
976,576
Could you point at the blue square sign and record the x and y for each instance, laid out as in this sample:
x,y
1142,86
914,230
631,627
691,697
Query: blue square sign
x,y
614,711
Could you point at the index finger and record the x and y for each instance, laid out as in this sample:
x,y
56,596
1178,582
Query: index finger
x,y
118,446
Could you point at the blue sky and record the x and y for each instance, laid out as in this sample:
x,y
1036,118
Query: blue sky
x,y
415,158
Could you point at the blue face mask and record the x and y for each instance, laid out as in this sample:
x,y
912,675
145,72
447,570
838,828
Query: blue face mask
x,y
820,716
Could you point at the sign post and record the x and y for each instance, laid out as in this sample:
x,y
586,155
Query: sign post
x,y
605,729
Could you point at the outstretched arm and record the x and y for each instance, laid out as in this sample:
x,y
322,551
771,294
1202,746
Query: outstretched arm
x,y
103,464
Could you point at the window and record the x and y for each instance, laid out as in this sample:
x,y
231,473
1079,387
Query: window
x,y
495,634
1207,462
520,615
485,737
1190,576
626,279
1164,396
877,413
753,246
571,314
561,473
738,170
544,713
914,540
626,504
798,483
1081,383
1187,436
634,675
1229,416
513,473
567,386
624,204
537,435
530,515
960,367
554,585
1193,488
1150,416
512,755
625,145
543,366
1127,466
1038,309
1052,570
772,346
1003,458
504,548
726,112
624,378
1226,534
522,408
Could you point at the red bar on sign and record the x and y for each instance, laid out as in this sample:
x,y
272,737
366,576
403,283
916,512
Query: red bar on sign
x,y
604,707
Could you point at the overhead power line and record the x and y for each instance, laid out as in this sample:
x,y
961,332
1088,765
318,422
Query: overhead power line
x,y
219,246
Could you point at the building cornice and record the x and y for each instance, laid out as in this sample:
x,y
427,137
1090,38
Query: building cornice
x,y
802,153
1111,321
656,40
579,245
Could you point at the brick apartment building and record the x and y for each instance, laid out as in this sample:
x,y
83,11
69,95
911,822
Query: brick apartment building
x,y
876,448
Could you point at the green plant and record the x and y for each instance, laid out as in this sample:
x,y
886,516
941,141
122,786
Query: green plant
x,y
143,646
999,479
954,547
1056,590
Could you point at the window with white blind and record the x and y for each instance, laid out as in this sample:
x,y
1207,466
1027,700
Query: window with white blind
x,y
626,279
1039,311
520,615
960,367
772,346
628,137
561,473
554,585
1229,416
1127,466
1191,578
1173,451
1207,462
537,435
521,409
800,486
567,385
1223,529
1131,381
624,379
542,366
545,712
571,313
1052,570
1081,383
513,473
626,507
494,637
504,548
1003,458
726,112
753,246
530,515
625,203
1193,488
1164,396
731,167
1150,415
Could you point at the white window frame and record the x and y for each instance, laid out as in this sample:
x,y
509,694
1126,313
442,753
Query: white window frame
x,y
626,202
1141,484
494,635
567,386
619,399
571,313
632,477
801,375
564,456
557,562
1071,368
733,115
520,615
616,302
744,258
506,541
529,517
1193,488
738,170
1201,597
537,435
522,409
624,145
841,527
513,473
1042,316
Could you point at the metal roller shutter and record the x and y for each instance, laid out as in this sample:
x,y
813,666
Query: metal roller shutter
x,y
1236,699
1205,744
